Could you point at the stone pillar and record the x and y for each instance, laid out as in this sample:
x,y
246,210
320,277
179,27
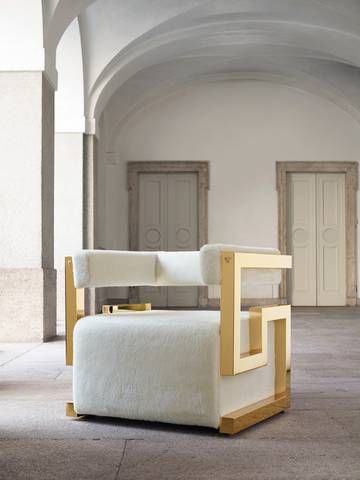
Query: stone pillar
x,y
89,175
27,275
89,166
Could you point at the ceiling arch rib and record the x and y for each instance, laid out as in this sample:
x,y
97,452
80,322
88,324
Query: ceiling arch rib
x,y
58,15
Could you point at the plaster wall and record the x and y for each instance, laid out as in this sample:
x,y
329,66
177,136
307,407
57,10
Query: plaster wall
x,y
69,97
21,35
108,26
68,208
242,128
68,195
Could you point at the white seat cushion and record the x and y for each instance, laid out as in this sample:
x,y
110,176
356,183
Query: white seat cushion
x,y
161,366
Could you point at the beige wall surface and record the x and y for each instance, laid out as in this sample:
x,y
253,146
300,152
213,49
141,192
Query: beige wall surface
x,y
242,128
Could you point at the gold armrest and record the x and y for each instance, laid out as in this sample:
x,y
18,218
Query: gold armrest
x,y
74,308
231,361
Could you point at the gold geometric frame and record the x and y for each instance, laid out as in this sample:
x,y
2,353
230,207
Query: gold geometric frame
x,y
231,361
74,308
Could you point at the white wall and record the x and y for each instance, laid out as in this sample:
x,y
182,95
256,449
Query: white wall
x,y
110,25
69,128
21,35
242,128
68,195
69,97
68,208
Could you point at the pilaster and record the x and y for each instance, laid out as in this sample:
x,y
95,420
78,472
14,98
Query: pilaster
x,y
27,275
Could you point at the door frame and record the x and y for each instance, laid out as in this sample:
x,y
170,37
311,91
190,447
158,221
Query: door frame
x,y
201,169
350,169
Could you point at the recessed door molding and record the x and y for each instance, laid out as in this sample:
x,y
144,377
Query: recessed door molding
x,y
350,169
201,169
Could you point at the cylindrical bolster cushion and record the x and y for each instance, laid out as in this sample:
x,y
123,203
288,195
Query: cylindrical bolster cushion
x,y
210,265
111,268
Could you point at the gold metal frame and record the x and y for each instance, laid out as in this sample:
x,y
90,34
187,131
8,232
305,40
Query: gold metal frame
x,y
129,307
74,308
232,362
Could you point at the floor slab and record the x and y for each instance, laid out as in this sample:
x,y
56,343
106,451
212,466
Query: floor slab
x,y
317,439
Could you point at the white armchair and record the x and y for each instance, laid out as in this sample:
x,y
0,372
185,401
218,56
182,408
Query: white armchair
x,y
226,370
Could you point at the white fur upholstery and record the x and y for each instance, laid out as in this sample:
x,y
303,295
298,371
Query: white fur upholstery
x,y
161,366
178,268
210,265
108,268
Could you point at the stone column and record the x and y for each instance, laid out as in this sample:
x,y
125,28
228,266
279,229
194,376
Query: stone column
x,y
94,298
27,275
89,175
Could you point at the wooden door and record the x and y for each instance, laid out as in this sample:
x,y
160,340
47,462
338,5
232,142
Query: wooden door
x,y
168,221
182,229
152,227
302,238
331,277
317,238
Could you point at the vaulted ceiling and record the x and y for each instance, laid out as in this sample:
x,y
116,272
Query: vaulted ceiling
x,y
133,50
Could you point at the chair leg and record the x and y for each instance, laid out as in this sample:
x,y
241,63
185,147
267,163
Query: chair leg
x,y
70,411
238,420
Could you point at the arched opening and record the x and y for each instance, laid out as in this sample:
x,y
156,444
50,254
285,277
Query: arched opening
x,y
69,131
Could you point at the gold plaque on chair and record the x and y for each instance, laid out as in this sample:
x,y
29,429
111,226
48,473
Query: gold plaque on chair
x,y
138,307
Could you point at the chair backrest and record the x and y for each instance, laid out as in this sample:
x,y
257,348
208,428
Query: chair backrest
x,y
118,268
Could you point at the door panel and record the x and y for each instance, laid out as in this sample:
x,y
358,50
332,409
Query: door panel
x,y
317,238
331,239
182,212
168,220
153,227
302,241
182,229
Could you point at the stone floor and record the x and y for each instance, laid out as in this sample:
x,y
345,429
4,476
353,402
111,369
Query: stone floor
x,y
319,438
